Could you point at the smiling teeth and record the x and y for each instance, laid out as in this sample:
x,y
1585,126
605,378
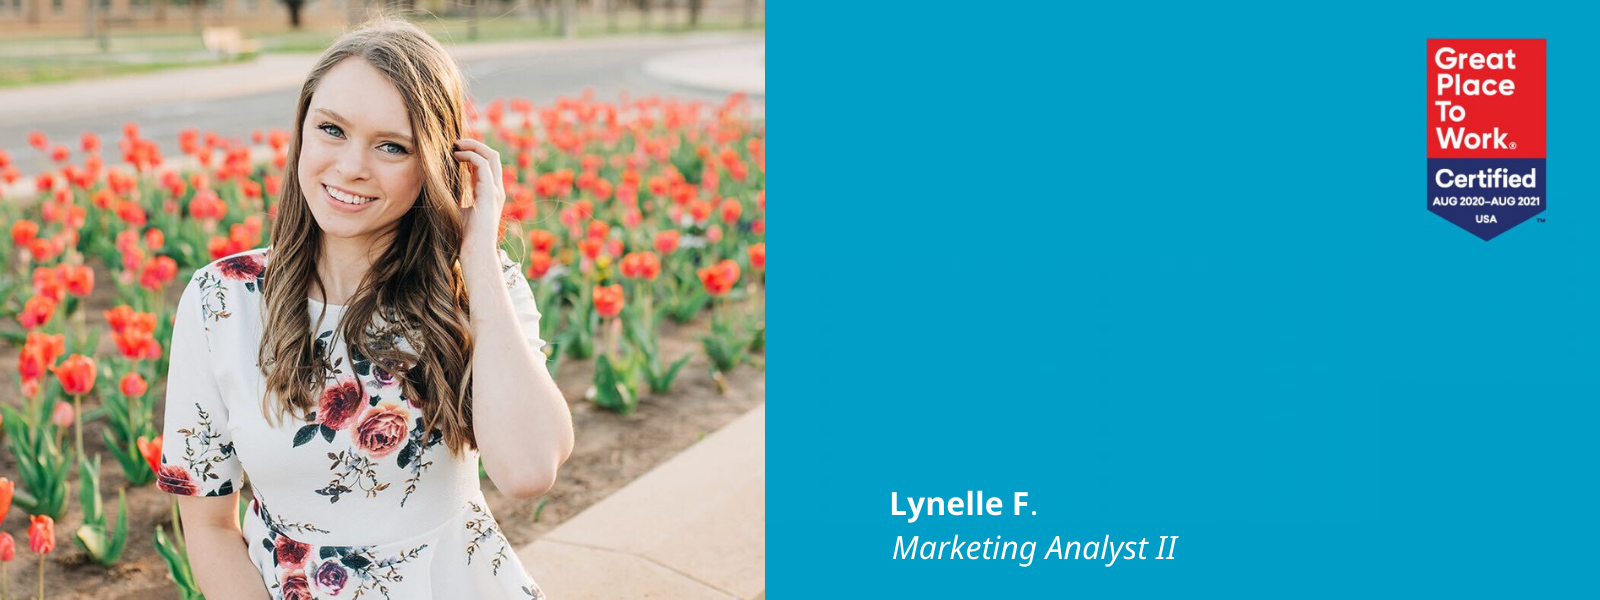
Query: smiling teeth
x,y
347,198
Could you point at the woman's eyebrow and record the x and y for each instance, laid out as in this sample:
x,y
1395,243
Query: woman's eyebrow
x,y
335,116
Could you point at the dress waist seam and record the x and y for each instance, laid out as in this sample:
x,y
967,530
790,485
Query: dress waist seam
x,y
260,511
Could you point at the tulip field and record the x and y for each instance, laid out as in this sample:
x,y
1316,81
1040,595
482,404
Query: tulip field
x,y
639,222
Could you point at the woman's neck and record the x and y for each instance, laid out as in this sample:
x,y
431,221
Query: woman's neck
x,y
342,265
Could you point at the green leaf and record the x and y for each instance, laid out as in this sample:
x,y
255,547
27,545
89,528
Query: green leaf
x,y
305,434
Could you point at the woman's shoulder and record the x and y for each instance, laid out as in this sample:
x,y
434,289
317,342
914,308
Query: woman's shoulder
x,y
246,267
225,277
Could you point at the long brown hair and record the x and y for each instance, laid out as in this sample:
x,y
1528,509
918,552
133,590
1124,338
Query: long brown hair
x,y
416,284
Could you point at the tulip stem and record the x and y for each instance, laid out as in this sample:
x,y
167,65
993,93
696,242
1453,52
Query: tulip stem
x,y
41,577
77,425
3,592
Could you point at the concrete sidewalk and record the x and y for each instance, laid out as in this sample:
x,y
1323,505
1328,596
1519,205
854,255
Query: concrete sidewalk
x,y
692,528
740,68
73,99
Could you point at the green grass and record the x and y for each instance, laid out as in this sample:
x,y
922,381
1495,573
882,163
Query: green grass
x,y
27,59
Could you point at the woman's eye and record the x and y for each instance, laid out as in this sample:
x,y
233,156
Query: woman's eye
x,y
331,129
398,149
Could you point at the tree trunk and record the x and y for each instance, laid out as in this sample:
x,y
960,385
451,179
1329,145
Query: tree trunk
x,y
644,15
694,13
749,13
294,12
567,17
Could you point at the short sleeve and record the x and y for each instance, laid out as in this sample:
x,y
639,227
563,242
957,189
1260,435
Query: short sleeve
x,y
522,300
197,454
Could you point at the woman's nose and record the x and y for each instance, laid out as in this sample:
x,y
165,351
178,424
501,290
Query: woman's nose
x,y
352,162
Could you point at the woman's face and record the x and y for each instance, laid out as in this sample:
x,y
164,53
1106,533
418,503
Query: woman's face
x,y
357,141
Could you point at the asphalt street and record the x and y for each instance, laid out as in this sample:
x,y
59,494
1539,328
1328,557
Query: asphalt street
x,y
538,76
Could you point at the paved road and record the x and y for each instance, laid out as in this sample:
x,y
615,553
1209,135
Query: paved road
x,y
540,77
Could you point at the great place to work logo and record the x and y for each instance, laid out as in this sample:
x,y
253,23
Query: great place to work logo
x,y
1486,133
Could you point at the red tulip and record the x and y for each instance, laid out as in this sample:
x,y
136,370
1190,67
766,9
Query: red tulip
x,y
667,241
641,265
154,239
758,256
38,140
608,300
23,232
158,272
151,450
76,374
91,142
541,240
36,312
8,547
730,211
599,229
719,278
538,265
79,279
41,534
133,385
590,247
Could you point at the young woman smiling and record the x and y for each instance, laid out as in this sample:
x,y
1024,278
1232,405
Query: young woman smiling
x,y
359,366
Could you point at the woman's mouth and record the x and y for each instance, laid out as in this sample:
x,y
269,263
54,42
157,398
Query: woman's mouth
x,y
347,199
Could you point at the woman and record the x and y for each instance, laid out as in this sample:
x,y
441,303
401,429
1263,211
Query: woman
x,y
359,366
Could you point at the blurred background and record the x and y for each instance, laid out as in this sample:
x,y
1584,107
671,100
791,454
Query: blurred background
x,y
143,139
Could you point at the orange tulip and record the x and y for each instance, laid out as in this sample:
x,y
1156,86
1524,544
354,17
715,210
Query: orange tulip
x,y
608,300
41,534
151,450
7,489
76,374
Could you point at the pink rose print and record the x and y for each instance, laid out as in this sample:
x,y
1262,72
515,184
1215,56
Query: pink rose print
x,y
175,479
290,553
332,577
382,430
241,268
295,586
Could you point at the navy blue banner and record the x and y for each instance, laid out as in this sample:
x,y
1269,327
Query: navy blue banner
x,y
1486,196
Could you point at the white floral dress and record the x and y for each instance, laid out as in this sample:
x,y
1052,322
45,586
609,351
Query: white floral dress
x,y
352,500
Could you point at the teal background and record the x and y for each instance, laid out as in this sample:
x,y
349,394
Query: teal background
x,y
1170,270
